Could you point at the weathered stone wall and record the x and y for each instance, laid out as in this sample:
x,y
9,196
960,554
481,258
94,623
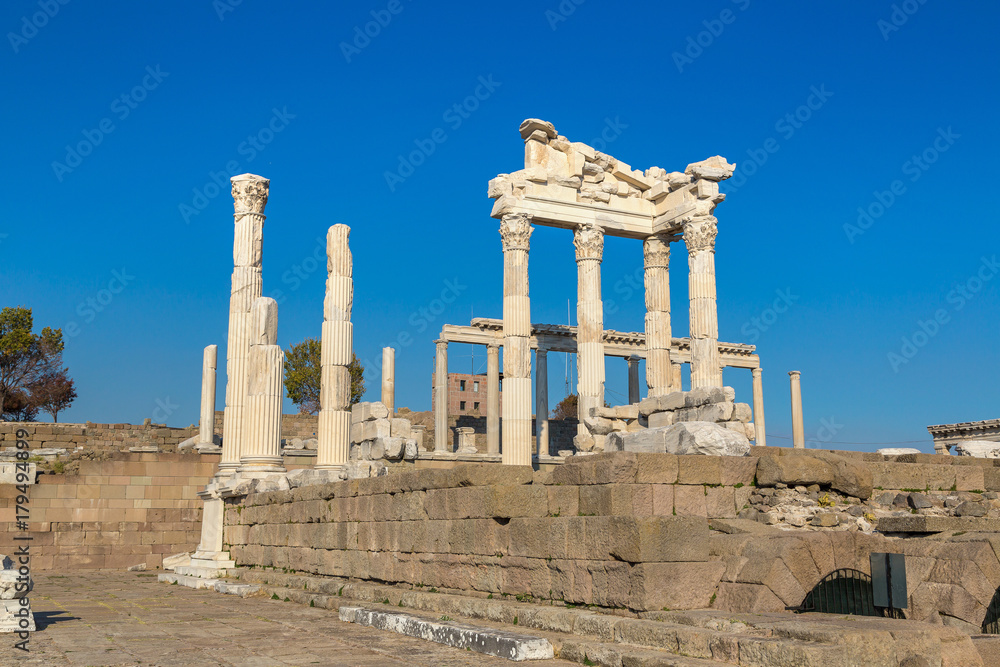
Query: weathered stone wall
x,y
93,437
115,513
292,426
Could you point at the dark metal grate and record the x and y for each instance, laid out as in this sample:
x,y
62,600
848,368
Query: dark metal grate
x,y
991,624
846,591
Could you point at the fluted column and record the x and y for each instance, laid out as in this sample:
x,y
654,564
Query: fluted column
x,y
261,451
542,401
389,379
706,366
334,431
676,377
515,234
493,398
441,443
206,428
633,378
656,260
589,242
758,407
249,199
798,427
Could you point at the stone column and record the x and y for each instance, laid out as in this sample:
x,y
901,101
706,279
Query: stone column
x,y
493,398
676,377
656,260
261,451
758,407
441,397
542,401
798,428
206,428
589,242
334,431
633,379
706,366
515,235
389,379
249,199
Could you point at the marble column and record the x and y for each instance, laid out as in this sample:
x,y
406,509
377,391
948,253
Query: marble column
x,y
249,199
656,260
441,396
542,401
633,379
706,365
676,377
389,379
261,450
206,428
493,398
334,431
798,427
515,235
758,407
589,243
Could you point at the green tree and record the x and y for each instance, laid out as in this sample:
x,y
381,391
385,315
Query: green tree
x,y
303,373
25,357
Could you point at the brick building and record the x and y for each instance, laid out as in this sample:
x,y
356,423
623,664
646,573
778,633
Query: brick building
x,y
466,394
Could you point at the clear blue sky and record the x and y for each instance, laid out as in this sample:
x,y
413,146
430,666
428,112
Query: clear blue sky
x,y
329,121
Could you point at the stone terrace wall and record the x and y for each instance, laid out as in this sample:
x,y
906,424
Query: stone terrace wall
x,y
114,513
292,426
97,438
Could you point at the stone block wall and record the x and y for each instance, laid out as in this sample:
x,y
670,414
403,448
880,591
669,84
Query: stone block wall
x,y
292,426
114,514
95,438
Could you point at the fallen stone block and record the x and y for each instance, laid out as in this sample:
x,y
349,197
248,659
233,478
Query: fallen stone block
x,y
362,412
683,438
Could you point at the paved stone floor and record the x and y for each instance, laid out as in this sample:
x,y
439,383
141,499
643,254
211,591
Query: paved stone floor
x,y
112,619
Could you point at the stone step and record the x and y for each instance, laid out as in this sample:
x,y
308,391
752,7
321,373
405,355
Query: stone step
x,y
243,590
509,645
203,572
626,655
187,580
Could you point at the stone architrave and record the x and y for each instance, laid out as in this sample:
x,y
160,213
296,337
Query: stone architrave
x,y
589,243
633,378
706,366
334,432
441,396
389,379
798,426
249,199
261,451
493,398
656,261
542,401
515,234
206,427
758,407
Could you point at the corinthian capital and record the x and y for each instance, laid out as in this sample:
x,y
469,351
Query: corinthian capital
x,y
700,233
249,193
515,231
656,251
589,242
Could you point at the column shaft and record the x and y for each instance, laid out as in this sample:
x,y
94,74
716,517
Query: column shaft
x,y
542,401
334,430
758,407
515,234
706,367
656,260
206,428
633,379
389,379
441,397
249,199
493,398
798,427
676,377
589,242
261,449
